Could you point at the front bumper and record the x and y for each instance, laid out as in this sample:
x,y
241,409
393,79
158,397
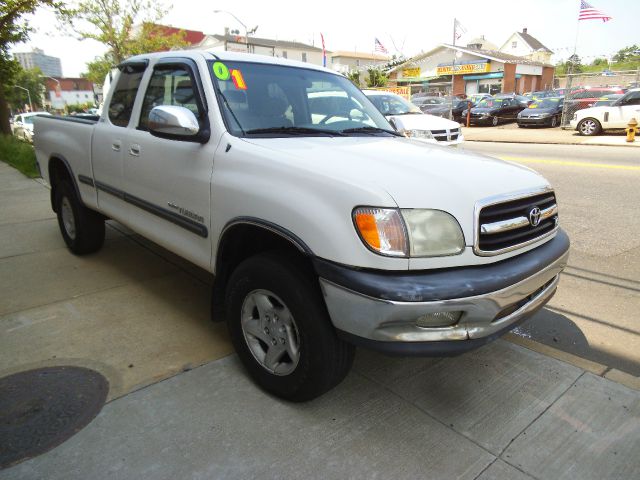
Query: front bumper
x,y
379,310
534,120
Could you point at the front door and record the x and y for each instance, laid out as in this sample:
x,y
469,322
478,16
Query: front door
x,y
169,181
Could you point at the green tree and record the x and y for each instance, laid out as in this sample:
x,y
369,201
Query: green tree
x,y
376,78
126,27
14,29
354,76
600,62
33,81
628,54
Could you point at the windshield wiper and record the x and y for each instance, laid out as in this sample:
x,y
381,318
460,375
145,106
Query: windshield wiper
x,y
371,130
405,113
296,131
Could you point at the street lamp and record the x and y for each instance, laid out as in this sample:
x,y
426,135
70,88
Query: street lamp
x,y
246,30
28,94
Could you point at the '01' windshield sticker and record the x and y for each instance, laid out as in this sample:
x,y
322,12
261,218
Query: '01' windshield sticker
x,y
222,72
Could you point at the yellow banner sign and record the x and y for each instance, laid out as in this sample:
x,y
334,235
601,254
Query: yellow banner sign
x,y
411,72
402,91
464,68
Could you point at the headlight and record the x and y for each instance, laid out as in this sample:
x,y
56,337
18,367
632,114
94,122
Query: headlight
x,y
433,233
545,115
382,230
419,134
485,115
409,232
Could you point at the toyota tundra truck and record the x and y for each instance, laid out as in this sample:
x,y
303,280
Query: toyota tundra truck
x,y
324,228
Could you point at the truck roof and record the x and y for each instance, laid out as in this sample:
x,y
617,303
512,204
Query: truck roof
x,y
230,56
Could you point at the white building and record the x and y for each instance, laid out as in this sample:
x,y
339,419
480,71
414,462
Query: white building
x,y
263,46
345,62
522,44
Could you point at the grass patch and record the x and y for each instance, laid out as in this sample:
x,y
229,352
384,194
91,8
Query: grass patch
x,y
19,155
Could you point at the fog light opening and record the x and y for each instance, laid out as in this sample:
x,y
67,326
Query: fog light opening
x,y
438,319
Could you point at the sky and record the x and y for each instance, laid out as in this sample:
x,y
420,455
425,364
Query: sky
x,y
409,28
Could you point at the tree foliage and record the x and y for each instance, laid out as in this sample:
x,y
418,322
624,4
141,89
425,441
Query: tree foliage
x,y
628,54
33,81
376,78
126,27
354,76
14,29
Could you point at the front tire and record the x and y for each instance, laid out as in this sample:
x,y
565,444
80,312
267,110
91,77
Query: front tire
x,y
281,330
494,121
82,229
589,127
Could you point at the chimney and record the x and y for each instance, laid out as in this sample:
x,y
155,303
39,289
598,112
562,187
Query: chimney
x,y
524,30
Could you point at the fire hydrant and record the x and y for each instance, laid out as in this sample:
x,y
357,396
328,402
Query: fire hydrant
x,y
632,130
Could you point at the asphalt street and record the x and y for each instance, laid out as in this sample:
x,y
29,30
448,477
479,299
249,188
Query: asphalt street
x,y
595,312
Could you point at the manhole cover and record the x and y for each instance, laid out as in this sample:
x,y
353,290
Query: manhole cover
x,y
40,409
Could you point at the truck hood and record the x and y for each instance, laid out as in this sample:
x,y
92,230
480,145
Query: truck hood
x,y
422,121
413,173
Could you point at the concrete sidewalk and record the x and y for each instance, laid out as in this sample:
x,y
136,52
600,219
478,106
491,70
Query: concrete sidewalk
x,y
180,405
511,133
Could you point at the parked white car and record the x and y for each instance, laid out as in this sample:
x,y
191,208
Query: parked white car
x,y
23,125
592,121
409,119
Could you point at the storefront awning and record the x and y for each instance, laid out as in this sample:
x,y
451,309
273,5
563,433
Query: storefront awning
x,y
486,76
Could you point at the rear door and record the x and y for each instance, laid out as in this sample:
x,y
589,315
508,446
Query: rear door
x,y
109,141
168,182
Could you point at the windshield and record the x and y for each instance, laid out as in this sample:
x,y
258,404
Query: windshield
x,y
546,103
393,104
275,100
489,103
28,120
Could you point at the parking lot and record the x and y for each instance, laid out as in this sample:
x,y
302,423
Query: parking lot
x,y
180,405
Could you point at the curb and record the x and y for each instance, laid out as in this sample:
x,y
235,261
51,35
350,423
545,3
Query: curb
x,y
528,142
617,376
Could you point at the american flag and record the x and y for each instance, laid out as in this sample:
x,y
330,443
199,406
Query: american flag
x,y
587,12
380,47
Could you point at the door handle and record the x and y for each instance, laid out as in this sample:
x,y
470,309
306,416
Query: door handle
x,y
134,150
115,146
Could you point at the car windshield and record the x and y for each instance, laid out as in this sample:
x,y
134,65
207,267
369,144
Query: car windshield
x,y
546,103
278,101
391,104
28,120
489,103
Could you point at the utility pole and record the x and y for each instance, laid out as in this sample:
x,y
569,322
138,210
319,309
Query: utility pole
x,y
28,95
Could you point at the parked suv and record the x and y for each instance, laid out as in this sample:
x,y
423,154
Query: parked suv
x,y
591,121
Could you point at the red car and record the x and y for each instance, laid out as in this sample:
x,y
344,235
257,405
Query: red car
x,y
586,97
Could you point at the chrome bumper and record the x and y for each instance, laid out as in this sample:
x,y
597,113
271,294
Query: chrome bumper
x,y
379,320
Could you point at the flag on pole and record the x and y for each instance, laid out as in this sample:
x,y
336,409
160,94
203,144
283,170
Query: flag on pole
x,y
587,12
379,47
324,51
458,29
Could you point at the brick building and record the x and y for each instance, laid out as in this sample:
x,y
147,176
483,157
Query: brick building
x,y
63,91
474,70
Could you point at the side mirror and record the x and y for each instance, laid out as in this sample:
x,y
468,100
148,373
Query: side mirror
x,y
176,123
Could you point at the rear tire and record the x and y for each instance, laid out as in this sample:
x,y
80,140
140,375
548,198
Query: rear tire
x,y
589,127
281,330
82,229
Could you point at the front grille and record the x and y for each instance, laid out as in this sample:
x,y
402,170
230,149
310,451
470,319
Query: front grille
x,y
511,224
446,135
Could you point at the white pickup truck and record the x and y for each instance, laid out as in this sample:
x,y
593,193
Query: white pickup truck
x,y
323,226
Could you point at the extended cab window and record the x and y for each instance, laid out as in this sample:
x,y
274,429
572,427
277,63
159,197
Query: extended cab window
x,y
124,95
169,85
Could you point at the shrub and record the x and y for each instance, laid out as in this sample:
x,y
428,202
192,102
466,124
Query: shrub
x,y
19,155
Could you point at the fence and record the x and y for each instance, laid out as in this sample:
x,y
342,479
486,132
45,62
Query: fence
x,y
577,95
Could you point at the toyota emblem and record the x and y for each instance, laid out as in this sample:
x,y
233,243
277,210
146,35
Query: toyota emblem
x,y
534,216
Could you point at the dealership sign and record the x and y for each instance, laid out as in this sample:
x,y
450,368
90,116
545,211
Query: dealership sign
x,y
411,72
463,68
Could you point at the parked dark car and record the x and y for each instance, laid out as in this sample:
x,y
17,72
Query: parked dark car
x,y
545,112
499,109
458,107
607,100
427,103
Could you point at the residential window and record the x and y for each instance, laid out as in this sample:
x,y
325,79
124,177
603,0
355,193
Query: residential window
x,y
304,56
514,44
284,54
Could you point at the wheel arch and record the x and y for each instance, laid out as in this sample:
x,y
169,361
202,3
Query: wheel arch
x,y
242,238
59,170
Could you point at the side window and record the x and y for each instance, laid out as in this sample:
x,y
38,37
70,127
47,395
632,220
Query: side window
x,y
632,99
123,97
169,85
